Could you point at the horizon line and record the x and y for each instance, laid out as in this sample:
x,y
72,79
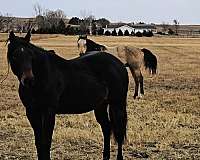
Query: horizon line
x,y
120,21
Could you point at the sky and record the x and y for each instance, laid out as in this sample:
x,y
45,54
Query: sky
x,y
149,11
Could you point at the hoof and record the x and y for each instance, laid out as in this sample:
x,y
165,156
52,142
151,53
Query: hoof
x,y
141,96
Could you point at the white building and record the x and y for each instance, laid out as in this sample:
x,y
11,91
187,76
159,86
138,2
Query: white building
x,y
135,28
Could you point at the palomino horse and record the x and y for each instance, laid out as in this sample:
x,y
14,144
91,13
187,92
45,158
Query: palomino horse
x,y
50,85
132,57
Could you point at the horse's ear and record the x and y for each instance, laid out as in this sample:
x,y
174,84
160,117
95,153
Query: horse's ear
x,y
28,36
11,36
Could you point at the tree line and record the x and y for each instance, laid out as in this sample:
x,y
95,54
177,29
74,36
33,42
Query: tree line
x,y
55,22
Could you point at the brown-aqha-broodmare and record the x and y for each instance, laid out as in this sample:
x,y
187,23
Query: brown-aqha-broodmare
x,y
133,57
50,85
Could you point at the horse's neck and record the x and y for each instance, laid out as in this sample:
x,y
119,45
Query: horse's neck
x,y
48,68
41,65
91,43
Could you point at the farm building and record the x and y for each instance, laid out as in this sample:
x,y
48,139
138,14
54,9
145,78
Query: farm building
x,y
135,28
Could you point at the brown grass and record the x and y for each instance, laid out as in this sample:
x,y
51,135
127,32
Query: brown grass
x,y
165,124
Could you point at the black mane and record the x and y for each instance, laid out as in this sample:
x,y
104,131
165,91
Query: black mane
x,y
93,46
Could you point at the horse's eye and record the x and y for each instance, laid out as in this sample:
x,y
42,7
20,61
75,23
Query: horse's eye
x,y
14,58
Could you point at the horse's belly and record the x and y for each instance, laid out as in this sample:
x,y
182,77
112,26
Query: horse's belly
x,y
76,109
82,98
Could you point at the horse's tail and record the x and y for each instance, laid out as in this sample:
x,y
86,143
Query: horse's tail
x,y
118,119
150,61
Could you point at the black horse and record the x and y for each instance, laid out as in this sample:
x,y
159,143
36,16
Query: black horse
x,y
87,45
51,85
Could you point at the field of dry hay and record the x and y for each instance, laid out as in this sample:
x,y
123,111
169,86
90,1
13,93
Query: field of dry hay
x,y
165,124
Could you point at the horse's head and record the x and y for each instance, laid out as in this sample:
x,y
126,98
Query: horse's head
x,y
82,47
20,58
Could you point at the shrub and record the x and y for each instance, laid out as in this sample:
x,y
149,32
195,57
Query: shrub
x,y
107,33
120,33
138,34
70,30
100,31
147,33
170,31
33,31
126,33
132,33
114,33
61,27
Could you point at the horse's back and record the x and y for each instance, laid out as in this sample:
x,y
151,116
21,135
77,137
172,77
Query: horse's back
x,y
109,69
131,55
103,61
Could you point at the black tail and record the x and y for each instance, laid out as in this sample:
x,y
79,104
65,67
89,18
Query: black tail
x,y
118,119
150,61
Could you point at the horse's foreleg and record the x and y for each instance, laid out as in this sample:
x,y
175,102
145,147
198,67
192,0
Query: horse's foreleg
x,y
136,79
43,125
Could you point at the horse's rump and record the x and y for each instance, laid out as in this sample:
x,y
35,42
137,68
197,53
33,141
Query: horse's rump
x,y
130,55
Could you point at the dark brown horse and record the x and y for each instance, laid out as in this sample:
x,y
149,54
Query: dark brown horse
x,y
132,57
50,85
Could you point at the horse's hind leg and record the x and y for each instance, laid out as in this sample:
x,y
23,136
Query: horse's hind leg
x,y
102,118
136,87
118,118
141,84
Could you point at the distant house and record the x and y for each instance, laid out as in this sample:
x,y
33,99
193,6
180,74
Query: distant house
x,y
135,28
144,27
122,28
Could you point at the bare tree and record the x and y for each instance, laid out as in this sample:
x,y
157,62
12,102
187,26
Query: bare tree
x,y
39,18
52,18
47,19
176,26
28,25
38,9
8,19
87,23
2,19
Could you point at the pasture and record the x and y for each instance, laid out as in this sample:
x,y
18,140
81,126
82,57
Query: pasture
x,y
164,124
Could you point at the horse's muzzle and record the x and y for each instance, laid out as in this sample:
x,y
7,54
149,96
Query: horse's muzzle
x,y
27,78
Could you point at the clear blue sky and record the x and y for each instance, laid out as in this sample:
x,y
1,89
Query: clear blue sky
x,y
155,11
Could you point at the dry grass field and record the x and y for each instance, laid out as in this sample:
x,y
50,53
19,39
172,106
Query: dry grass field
x,y
164,124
